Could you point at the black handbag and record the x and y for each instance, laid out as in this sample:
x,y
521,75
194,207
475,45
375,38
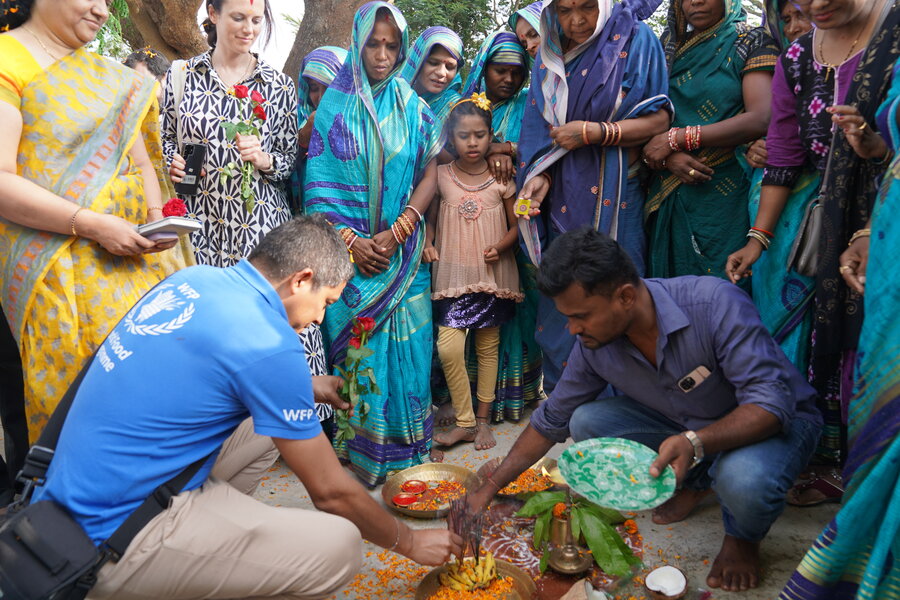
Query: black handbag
x,y
44,553
804,255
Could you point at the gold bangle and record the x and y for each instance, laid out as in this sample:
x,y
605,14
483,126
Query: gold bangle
x,y
584,135
859,234
72,222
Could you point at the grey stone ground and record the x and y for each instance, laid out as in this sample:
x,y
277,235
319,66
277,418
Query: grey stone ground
x,y
686,545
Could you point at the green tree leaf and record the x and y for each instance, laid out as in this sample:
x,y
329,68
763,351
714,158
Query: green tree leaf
x,y
541,502
607,515
542,529
545,557
575,522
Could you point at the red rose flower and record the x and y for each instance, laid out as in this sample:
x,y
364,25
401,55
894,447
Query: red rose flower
x,y
175,207
367,323
257,97
357,330
355,342
241,91
259,112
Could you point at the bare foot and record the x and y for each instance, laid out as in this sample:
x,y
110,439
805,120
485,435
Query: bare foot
x,y
678,507
455,436
736,568
436,455
484,438
444,415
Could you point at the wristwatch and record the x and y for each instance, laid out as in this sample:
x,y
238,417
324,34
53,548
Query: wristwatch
x,y
698,447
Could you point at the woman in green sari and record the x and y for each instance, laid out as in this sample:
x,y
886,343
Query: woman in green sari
x,y
696,208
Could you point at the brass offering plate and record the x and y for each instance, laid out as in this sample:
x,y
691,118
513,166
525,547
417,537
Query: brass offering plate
x,y
547,463
427,472
523,586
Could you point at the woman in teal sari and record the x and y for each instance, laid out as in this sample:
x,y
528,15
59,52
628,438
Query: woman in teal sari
x,y
783,297
500,71
433,69
696,208
856,556
526,24
371,170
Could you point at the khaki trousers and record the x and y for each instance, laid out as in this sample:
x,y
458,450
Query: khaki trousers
x,y
451,345
217,542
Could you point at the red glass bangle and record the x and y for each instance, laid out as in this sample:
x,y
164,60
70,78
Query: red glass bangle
x,y
763,231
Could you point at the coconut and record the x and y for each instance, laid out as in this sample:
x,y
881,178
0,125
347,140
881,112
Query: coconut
x,y
666,583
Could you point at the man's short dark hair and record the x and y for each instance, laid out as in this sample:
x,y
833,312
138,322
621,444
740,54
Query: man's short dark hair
x,y
304,242
587,257
156,62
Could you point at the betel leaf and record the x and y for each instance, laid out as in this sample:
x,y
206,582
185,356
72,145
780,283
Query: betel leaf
x,y
542,529
541,502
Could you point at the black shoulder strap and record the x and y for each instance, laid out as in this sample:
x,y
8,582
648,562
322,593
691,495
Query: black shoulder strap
x,y
34,472
37,461
152,506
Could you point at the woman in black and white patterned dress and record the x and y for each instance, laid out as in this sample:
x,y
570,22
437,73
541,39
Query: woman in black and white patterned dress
x,y
230,231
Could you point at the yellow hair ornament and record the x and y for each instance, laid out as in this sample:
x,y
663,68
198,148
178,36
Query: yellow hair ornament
x,y
478,99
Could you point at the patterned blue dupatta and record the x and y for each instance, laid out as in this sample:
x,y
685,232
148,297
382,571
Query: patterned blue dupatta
x,y
618,73
442,102
369,148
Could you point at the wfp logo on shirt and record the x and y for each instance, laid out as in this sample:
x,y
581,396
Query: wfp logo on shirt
x,y
164,310
300,414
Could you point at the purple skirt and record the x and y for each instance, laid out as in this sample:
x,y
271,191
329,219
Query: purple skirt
x,y
473,311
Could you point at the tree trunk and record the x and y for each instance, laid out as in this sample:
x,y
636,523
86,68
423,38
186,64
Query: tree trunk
x,y
325,23
169,26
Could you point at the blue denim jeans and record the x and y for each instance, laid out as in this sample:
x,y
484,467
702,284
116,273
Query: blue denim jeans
x,y
751,482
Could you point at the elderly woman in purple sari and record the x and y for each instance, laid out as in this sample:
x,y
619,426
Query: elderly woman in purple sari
x,y
599,91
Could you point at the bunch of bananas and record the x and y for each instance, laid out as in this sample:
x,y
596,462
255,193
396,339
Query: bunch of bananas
x,y
468,576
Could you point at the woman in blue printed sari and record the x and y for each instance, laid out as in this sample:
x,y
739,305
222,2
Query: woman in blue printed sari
x,y
858,553
433,69
371,170
599,92
526,24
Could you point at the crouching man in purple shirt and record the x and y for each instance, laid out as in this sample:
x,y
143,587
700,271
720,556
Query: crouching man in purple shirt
x,y
695,375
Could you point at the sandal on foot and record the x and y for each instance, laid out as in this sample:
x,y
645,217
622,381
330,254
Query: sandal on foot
x,y
830,491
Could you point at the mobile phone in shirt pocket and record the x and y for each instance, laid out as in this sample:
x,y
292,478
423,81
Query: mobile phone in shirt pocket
x,y
693,379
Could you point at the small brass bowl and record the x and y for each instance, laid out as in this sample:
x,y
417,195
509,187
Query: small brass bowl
x,y
523,586
427,472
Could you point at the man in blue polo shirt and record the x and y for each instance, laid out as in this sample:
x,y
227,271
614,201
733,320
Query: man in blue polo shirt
x,y
700,380
208,363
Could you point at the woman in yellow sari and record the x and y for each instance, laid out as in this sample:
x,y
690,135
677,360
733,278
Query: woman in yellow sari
x,y
78,139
